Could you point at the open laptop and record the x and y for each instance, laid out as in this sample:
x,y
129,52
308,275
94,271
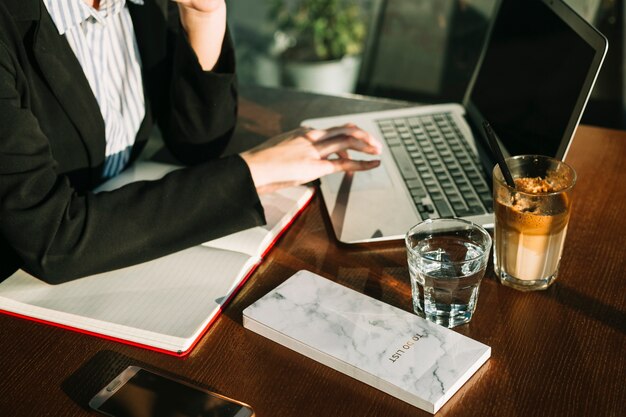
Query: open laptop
x,y
532,83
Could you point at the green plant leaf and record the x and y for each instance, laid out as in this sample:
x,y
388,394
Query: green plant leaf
x,y
323,29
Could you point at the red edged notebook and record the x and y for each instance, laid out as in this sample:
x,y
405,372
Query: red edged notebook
x,y
166,304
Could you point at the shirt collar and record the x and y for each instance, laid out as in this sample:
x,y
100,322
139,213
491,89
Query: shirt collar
x,y
69,13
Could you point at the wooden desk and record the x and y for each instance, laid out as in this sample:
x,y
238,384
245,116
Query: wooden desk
x,y
561,352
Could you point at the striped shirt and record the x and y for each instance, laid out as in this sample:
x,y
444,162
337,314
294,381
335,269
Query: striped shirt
x,y
104,43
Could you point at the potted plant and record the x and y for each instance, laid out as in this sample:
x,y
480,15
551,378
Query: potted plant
x,y
319,42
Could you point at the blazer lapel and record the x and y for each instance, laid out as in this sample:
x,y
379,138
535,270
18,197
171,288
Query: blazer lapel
x,y
63,72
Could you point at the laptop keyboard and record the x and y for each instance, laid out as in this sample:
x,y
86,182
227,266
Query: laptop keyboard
x,y
439,168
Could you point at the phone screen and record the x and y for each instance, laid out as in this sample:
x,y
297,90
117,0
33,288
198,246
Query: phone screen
x,y
150,395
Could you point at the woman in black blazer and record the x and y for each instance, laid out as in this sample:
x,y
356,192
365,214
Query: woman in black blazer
x,y
52,146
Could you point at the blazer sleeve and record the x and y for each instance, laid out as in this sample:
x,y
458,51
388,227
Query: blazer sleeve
x,y
195,109
58,234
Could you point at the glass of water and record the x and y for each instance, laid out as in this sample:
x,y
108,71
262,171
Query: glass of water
x,y
447,260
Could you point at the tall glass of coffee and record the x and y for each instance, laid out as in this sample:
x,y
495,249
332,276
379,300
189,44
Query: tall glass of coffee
x,y
531,220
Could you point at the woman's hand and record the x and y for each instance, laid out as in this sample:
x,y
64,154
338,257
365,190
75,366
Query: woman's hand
x,y
302,155
204,22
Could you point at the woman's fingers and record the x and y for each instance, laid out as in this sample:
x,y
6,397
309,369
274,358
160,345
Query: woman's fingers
x,y
342,164
348,130
338,144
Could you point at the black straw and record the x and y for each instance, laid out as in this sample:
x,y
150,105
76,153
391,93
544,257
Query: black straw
x,y
495,148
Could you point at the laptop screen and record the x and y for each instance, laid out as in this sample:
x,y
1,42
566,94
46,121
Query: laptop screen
x,y
535,78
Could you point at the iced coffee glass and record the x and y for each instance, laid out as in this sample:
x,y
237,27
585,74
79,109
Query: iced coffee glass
x,y
531,220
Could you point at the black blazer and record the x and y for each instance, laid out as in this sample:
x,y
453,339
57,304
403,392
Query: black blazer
x,y
52,148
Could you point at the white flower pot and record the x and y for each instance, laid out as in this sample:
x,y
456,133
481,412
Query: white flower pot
x,y
334,77
267,71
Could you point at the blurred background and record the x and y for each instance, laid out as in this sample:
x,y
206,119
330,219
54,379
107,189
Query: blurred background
x,y
416,50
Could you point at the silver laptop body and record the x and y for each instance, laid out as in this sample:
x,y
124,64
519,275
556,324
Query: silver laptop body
x,y
435,162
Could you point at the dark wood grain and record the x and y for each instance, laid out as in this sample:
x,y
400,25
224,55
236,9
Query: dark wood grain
x,y
560,352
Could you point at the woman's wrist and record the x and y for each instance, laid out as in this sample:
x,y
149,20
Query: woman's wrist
x,y
257,170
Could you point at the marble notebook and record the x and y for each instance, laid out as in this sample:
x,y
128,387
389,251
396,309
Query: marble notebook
x,y
393,350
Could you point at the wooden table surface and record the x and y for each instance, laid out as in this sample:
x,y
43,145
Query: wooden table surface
x,y
560,352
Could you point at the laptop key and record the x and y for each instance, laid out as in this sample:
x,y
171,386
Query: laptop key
x,y
487,200
413,184
414,122
442,208
449,191
472,200
423,168
436,195
462,212
418,192
453,196
441,175
404,162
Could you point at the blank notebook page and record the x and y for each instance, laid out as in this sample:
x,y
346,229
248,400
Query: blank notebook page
x,y
172,295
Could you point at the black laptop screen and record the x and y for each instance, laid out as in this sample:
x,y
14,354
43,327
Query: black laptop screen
x,y
531,77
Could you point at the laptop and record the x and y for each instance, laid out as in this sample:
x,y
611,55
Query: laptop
x,y
532,82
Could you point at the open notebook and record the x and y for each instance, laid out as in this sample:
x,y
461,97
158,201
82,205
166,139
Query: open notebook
x,y
166,304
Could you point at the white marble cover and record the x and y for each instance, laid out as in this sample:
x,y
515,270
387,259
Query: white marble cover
x,y
388,348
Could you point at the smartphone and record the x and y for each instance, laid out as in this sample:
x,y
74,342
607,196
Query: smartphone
x,y
137,392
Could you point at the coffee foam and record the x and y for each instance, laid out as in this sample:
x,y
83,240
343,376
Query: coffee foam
x,y
531,222
534,210
536,185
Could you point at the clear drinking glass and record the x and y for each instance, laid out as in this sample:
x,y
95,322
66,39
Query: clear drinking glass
x,y
447,260
531,220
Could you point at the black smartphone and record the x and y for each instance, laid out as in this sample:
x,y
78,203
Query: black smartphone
x,y
137,392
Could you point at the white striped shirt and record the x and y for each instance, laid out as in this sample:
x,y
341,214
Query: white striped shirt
x,y
104,42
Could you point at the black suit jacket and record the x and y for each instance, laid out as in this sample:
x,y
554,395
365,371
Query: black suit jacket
x,y
52,149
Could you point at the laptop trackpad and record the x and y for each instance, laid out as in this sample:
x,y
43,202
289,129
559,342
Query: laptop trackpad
x,y
366,206
375,179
